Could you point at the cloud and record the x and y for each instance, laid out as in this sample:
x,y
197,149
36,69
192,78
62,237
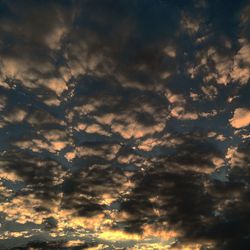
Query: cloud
x,y
170,51
110,133
57,85
53,140
180,113
88,191
52,102
133,129
16,115
41,117
210,91
190,25
241,118
240,71
3,102
92,129
237,156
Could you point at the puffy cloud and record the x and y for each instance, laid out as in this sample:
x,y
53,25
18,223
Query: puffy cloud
x,y
57,85
212,113
180,113
219,137
53,40
70,156
241,118
52,102
16,115
190,24
210,91
241,71
220,70
92,129
53,141
133,129
179,110
170,51
238,156
194,96
81,61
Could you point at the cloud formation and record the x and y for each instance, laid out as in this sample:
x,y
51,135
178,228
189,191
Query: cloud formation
x,y
124,124
241,118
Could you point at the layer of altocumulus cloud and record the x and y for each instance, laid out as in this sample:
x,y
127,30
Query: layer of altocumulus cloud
x,y
114,114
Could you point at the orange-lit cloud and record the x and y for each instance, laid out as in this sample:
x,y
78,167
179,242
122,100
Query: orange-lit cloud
x,y
241,118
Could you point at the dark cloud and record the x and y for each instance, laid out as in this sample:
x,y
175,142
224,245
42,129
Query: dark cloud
x,y
43,177
91,189
55,245
174,189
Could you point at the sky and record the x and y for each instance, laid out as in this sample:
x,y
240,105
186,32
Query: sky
x,y
124,124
